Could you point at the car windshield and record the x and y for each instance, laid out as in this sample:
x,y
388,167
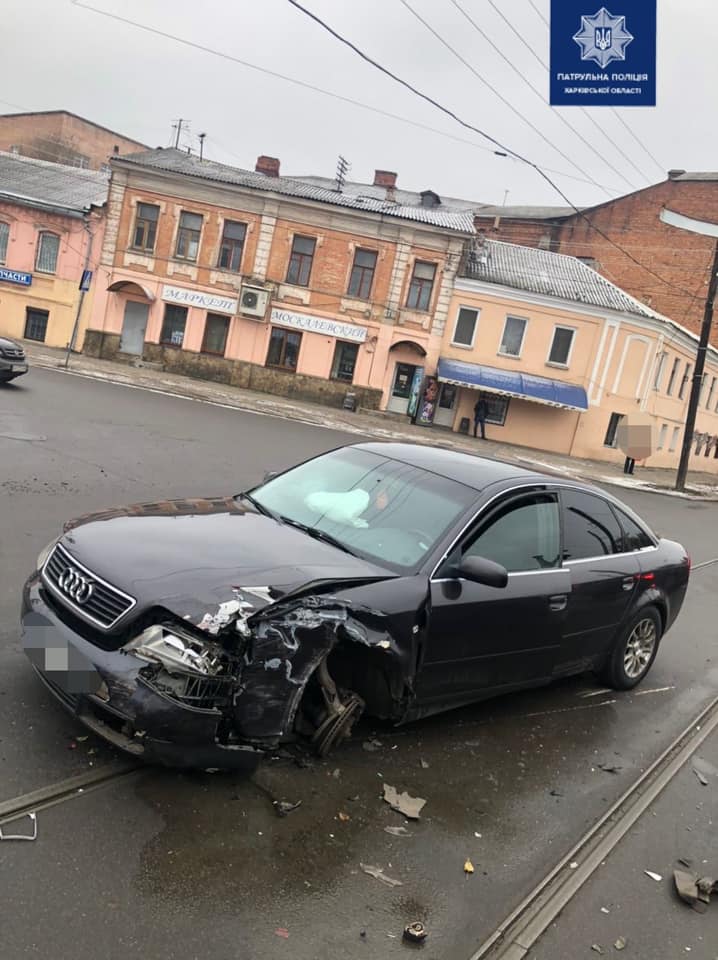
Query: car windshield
x,y
378,508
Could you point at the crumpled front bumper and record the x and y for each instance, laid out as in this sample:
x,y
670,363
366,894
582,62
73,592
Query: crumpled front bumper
x,y
12,368
105,691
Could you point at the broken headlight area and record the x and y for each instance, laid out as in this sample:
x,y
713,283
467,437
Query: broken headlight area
x,y
193,670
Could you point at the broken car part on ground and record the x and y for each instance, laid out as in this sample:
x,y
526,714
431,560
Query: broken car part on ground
x,y
390,579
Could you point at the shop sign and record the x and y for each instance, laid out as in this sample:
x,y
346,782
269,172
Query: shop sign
x,y
197,298
321,325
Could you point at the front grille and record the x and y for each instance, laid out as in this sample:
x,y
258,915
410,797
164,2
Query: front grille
x,y
12,353
103,607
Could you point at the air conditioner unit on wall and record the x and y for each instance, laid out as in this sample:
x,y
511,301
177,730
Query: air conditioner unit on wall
x,y
253,301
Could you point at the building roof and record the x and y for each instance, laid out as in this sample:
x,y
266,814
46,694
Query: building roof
x,y
551,274
51,184
406,197
523,213
69,113
705,175
176,161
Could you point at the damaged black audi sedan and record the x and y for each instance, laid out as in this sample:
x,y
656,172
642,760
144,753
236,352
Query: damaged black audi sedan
x,y
385,578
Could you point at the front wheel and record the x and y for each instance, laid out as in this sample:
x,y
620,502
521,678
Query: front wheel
x,y
634,651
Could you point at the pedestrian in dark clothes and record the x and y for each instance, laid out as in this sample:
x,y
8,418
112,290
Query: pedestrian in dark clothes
x,y
480,411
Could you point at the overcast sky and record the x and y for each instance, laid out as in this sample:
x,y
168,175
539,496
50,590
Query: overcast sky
x,y
59,56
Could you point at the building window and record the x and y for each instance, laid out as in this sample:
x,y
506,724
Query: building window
x,y
190,228
173,325
230,251
4,236
561,346
660,366
421,285
684,382
145,232
48,247
362,275
704,384
300,260
611,434
711,393
662,436
513,337
216,329
497,409
283,349
345,360
672,378
465,329
36,324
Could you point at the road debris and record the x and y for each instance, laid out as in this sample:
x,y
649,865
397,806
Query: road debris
x,y
597,948
411,807
424,764
397,831
371,746
605,910
344,817
694,890
284,807
22,836
610,767
573,865
468,867
281,932
620,944
701,777
654,876
415,932
379,874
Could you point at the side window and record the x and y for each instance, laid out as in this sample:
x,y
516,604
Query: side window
x,y
590,528
635,537
522,534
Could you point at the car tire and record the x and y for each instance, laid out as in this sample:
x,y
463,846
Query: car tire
x,y
634,651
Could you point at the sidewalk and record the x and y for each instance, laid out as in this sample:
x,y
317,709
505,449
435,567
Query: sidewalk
x,y
621,903
367,424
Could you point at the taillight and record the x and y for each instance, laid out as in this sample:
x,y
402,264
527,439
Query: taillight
x,y
647,576
688,562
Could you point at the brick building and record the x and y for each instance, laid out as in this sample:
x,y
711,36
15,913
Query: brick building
x,y
62,137
676,281
273,283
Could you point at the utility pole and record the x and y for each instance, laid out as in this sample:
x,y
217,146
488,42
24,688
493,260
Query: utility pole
x,y
706,230
88,256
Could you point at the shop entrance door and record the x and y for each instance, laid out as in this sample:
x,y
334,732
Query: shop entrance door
x,y
401,388
134,325
446,408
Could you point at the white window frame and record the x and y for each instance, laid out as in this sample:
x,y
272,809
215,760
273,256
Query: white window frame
x,y
40,237
454,342
503,353
675,437
3,253
662,434
556,363
660,369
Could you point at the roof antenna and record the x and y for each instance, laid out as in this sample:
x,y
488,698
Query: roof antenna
x,y
201,137
343,167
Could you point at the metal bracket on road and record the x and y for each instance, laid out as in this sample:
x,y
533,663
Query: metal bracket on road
x,y
20,836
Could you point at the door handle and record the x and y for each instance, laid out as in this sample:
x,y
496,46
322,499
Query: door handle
x,y
628,583
558,602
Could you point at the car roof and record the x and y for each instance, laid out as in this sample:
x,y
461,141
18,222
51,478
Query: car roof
x,y
472,471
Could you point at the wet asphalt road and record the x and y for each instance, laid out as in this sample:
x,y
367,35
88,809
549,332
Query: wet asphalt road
x,y
169,865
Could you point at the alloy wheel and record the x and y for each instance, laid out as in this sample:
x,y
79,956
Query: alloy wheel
x,y
640,648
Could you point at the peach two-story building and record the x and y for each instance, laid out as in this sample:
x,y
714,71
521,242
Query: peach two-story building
x,y
562,357
273,283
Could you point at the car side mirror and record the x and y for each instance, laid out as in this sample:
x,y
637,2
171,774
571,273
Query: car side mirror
x,y
481,570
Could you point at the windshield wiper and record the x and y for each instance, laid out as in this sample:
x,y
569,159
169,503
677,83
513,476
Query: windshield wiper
x,y
318,534
259,506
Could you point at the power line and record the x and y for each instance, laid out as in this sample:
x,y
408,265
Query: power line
x,y
541,172
493,89
315,89
539,94
613,109
583,110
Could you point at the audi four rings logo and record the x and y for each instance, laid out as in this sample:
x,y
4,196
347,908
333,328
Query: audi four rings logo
x,y
78,587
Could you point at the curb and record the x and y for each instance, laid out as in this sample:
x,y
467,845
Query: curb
x,y
379,432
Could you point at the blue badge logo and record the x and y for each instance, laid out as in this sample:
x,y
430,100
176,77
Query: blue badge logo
x,y
603,38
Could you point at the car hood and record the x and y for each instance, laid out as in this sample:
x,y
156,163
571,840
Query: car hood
x,y
7,342
189,556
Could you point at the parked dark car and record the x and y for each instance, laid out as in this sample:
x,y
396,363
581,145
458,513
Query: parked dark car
x,y
394,579
13,362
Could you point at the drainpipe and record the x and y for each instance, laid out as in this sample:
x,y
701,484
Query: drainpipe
x,y
88,255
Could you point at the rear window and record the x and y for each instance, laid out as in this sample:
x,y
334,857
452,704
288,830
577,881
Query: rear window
x,y
634,536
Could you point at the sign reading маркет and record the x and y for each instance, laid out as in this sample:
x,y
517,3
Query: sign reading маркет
x,y
197,298
324,325
603,57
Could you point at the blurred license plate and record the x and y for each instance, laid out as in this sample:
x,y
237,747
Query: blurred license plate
x,y
19,368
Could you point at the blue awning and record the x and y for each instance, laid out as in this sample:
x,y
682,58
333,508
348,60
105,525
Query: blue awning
x,y
511,383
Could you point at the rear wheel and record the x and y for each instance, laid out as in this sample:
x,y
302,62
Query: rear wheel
x,y
634,650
